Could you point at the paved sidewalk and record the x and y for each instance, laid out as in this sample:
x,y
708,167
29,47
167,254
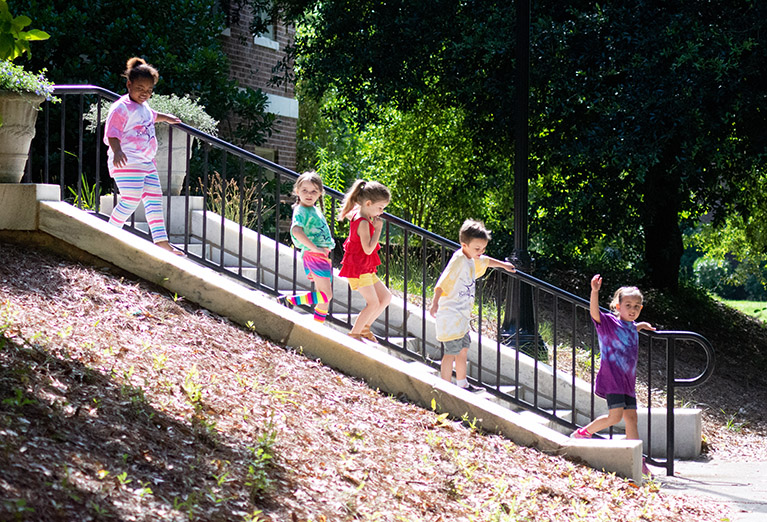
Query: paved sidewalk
x,y
741,485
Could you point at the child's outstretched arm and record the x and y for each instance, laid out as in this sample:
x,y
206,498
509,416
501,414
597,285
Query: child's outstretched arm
x,y
167,118
495,263
596,284
644,326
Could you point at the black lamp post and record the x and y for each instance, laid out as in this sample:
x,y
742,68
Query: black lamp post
x,y
519,319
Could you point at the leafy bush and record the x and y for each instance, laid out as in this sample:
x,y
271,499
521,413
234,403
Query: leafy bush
x,y
14,41
730,279
711,275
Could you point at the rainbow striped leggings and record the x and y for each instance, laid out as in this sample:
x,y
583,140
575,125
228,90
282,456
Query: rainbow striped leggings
x,y
139,182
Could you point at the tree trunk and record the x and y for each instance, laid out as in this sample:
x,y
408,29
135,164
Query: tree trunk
x,y
663,237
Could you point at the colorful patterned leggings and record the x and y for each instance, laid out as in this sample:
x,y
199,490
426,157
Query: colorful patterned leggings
x,y
139,182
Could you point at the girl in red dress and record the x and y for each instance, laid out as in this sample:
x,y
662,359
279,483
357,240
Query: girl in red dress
x,y
363,206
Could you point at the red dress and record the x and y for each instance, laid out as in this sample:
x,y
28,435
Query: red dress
x,y
356,262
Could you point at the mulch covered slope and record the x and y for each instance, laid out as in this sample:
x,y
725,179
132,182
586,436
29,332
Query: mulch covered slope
x,y
121,402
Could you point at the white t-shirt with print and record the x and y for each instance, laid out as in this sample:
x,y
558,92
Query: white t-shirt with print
x,y
457,300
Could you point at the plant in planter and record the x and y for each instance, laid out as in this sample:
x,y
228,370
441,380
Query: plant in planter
x,y
21,93
190,112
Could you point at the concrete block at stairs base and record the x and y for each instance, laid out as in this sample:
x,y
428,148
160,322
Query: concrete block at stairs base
x,y
18,204
688,428
624,457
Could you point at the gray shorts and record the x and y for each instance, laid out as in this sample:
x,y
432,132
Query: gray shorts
x,y
455,346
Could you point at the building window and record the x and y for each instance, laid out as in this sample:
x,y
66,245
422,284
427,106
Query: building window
x,y
268,38
268,154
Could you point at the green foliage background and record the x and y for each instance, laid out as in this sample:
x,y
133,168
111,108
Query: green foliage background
x,y
645,116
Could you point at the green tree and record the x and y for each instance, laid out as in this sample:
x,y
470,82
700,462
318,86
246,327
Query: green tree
x,y
644,114
656,104
425,156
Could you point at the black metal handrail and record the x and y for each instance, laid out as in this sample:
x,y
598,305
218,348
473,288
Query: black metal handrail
x,y
411,256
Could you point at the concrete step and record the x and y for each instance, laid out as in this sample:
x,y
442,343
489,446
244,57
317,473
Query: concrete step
x,y
249,272
425,368
411,344
562,414
500,400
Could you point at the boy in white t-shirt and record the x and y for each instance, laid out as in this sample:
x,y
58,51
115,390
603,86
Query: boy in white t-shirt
x,y
454,298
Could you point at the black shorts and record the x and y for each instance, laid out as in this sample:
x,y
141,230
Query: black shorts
x,y
620,400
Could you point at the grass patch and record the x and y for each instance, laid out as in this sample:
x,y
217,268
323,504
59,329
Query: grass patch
x,y
757,309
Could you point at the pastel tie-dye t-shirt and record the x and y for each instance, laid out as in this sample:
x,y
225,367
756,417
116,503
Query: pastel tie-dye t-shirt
x,y
133,124
313,222
457,300
619,350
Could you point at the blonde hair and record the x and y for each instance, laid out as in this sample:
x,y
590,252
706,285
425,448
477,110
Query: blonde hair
x,y
360,192
625,291
138,68
310,176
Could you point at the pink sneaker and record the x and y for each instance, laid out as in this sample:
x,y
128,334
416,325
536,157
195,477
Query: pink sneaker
x,y
581,433
645,470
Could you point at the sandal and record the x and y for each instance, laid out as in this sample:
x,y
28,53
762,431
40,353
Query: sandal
x,y
367,334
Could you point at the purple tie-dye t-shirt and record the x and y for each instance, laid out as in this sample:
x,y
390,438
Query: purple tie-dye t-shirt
x,y
619,349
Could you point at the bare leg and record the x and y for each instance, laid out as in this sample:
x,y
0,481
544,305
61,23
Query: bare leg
x,y
384,298
612,418
630,417
446,367
323,285
369,313
460,364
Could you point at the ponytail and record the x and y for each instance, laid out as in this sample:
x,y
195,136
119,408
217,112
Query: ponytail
x,y
360,192
138,68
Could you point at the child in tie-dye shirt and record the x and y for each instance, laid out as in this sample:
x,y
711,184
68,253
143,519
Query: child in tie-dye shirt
x,y
619,349
129,132
311,234
454,298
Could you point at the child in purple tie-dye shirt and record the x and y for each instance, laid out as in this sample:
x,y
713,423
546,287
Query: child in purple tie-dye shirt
x,y
619,348
129,132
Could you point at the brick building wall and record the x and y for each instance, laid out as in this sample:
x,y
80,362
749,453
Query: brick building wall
x,y
252,60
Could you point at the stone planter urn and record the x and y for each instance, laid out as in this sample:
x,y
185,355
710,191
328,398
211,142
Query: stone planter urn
x,y
179,158
19,113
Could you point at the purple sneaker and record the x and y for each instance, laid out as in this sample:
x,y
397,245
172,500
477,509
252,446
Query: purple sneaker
x,y
581,433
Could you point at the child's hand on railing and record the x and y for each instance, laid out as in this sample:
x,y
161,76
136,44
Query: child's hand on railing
x,y
644,326
508,266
